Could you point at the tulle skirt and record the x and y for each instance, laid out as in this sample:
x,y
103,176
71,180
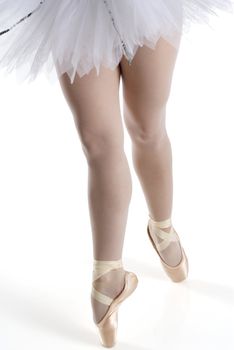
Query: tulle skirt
x,y
74,36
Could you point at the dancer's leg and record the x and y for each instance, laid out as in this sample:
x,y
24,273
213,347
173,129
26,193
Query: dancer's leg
x,y
146,88
94,102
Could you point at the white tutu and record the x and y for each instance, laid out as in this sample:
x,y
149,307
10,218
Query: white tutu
x,y
81,34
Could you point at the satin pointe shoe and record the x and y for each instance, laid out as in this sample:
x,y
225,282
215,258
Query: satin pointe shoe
x,y
107,327
176,273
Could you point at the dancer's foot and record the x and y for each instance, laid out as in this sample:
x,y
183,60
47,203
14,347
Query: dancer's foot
x,y
169,249
171,254
110,284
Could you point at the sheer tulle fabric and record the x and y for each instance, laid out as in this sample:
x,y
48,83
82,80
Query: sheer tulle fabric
x,y
75,36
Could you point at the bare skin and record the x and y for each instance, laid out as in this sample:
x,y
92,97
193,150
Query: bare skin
x,y
94,103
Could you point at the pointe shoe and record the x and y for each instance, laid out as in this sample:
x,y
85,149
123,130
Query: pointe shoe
x,y
108,325
176,273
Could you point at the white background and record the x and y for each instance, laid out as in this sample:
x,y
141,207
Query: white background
x,y
45,235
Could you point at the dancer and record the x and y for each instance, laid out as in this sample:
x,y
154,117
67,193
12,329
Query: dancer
x,y
91,45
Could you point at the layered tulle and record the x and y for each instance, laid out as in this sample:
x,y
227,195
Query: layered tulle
x,y
75,36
